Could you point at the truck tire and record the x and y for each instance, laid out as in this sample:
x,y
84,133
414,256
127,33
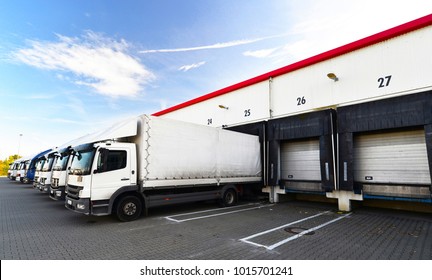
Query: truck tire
x,y
128,208
229,198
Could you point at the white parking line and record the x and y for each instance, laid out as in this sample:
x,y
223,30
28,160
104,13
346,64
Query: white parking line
x,y
277,228
306,232
273,246
171,218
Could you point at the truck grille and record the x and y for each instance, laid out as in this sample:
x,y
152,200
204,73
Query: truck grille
x,y
35,181
73,191
54,183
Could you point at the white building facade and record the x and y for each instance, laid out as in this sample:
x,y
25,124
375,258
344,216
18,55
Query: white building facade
x,y
352,123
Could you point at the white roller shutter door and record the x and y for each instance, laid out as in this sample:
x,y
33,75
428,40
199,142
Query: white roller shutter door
x,y
394,158
300,160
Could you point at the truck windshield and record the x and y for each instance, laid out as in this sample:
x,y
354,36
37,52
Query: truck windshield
x,y
48,164
60,163
40,164
23,165
81,162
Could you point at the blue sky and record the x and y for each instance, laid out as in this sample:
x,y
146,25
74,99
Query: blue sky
x,y
68,68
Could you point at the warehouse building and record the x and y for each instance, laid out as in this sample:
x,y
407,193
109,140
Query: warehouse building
x,y
352,123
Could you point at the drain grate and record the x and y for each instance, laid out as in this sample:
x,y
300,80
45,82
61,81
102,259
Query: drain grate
x,y
298,230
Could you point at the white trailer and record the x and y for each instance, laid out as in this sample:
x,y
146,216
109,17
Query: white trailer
x,y
150,161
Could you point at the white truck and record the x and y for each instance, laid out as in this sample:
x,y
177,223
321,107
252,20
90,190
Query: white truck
x,y
22,169
150,161
45,174
62,162
39,164
10,170
13,169
61,165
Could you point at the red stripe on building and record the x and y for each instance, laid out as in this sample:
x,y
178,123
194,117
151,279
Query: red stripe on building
x,y
356,45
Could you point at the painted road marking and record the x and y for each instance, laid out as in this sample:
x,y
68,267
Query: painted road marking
x,y
174,217
275,245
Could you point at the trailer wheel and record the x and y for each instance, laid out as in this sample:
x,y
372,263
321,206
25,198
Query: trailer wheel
x,y
128,208
229,198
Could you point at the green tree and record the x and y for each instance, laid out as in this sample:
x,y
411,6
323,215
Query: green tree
x,y
4,164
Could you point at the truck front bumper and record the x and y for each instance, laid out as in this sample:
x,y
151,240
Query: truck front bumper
x,y
57,193
44,188
81,205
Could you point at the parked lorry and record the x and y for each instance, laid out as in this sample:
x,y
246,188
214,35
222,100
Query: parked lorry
x,y
30,174
13,169
62,162
10,170
45,173
61,165
40,161
150,161
22,170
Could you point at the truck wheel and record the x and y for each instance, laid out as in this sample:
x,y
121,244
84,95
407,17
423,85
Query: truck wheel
x,y
128,208
229,198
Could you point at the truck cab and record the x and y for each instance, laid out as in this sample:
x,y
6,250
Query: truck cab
x,y
62,162
22,170
99,174
14,171
31,170
45,174
9,173
38,170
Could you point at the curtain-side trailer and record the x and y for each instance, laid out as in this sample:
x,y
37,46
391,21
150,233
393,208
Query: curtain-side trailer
x,y
151,161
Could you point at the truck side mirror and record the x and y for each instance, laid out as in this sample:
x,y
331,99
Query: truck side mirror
x,y
98,170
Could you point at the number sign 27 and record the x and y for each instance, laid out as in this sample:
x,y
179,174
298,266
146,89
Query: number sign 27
x,y
384,81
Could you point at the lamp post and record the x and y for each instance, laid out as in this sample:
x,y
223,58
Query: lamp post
x,y
19,143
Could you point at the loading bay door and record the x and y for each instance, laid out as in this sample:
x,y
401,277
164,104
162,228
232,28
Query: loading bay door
x,y
392,163
300,164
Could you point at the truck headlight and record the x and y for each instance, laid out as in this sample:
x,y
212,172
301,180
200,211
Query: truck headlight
x,y
80,206
58,193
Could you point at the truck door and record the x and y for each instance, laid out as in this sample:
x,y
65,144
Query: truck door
x,y
113,170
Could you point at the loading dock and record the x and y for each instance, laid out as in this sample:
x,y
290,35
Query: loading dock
x,y
386,150
301,153
378,87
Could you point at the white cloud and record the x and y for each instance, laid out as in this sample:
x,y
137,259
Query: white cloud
x,y
185,68
100,63
316,26
214,46
321,25
260,53
40,96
